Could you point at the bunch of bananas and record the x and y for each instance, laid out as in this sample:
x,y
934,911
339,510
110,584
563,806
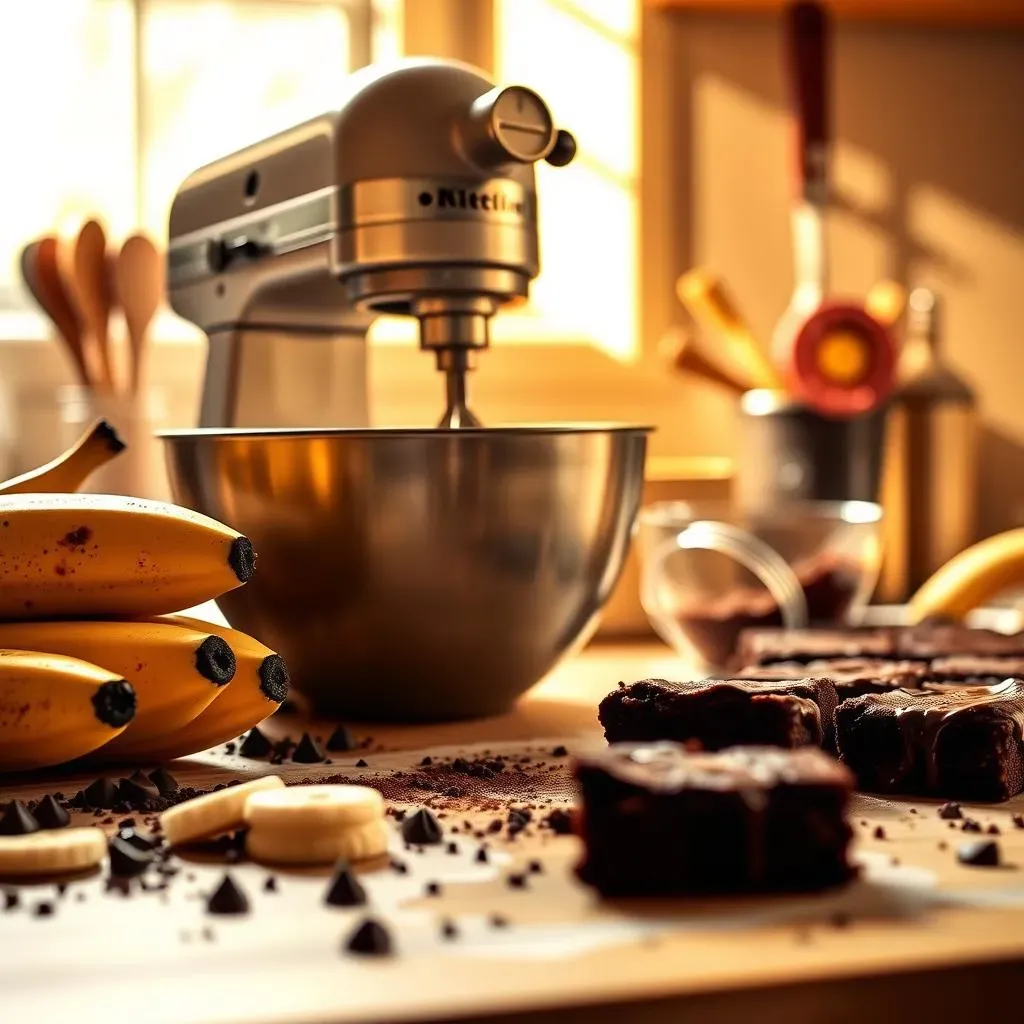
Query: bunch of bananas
x,y
92,662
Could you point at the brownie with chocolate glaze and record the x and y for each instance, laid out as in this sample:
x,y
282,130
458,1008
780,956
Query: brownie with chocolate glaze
x,y
928,642
659,820
964,743
975,669
769,646
853,677
717,713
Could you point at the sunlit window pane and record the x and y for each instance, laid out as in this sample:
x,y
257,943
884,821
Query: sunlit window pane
x,y
68,123
220,74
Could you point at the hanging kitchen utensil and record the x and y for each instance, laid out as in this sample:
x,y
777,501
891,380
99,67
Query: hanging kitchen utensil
x,y
834,355
82,259
39,269
706,299
139,276
684,353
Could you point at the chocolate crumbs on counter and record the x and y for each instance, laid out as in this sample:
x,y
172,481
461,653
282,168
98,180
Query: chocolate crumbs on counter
x,y
559,821
399,867
452,848
560,751
481,856
497,921
17,821
341,740
970,825
535,867
951,811
449,930
43,909
879,832
426,762
516,882
11,900
270,885
983,853
432,888
993,830
370,938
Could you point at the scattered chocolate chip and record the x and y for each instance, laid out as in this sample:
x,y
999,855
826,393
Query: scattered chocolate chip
x,y
400,867
421,827
11,900
362,763
951,811
255,745
17,821
559,821
136,794
433,888
452,848
43,909
164,781
535,867
341,740
344,889
495,826
983,853
970,825
370,938
227,898
426,762
229,748
101,793
449,929
517,821
49,814
1018,820
913,810
993,830
943,845
481,856
879,832
308,751
270,885
497,921
62,888
126,860
516,881
560,751
133,838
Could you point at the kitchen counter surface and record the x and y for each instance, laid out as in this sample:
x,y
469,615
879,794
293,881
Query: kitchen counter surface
x,y
917,935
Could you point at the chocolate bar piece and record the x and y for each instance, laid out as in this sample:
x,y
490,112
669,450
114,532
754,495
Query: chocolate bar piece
x,y
853,677
975,670
768,646
964,743
717,713
659,820
925,643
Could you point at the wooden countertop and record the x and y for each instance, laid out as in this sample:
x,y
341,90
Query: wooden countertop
x,y
917,934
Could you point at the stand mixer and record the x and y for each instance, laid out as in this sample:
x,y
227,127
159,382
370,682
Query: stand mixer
x,y
417,197
403,574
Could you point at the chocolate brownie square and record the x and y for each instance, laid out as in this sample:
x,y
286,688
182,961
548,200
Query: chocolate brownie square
x,y
659,820
853,677
965,743
925,643
717,713
767,646
975,670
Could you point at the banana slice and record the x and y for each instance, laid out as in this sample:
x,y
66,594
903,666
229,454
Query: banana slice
x,y
314,808
272,845
48,853
209,815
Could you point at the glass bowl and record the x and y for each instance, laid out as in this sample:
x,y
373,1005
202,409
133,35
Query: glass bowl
x,y
710,570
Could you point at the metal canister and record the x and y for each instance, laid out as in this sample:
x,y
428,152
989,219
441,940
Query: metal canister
x,y
930,481
788,452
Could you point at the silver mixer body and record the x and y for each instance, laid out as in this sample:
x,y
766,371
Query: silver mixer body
x,y
416,197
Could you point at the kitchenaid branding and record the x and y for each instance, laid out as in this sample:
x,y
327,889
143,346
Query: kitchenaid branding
x,y
490,201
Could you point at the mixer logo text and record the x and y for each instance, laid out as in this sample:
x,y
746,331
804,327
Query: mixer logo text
x,y
466,199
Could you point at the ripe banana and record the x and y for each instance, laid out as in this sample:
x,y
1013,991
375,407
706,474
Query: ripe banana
x,y
54,709
106,555
175,671
95,448
972,577
256,692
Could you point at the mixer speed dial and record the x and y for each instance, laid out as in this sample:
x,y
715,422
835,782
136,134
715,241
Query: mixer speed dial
x,y
510,124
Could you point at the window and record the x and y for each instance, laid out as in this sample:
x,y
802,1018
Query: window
x,y
138,93
582,56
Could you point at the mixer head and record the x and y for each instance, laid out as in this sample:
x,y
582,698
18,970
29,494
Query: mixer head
x,y
418,194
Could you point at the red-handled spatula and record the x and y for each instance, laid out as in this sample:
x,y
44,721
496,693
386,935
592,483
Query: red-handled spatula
x,y
835,356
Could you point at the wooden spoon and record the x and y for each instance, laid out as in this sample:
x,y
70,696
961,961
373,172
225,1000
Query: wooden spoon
x,y
82,261
39,268
682,352
139,274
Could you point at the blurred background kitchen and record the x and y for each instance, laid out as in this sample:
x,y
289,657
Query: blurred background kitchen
x,y
683,117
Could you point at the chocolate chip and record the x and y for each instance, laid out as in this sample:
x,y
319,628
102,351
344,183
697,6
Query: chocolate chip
x,y
400,867
62,888
17,821
951,811
433,888
50,814
560,751
993,830
559,821
361,763
421,827
481,856
344,889
136,794
449,929
341,740
270,885
164,781
1018,820
133,838
11,900
497,921
126,860
495,826
370,938
452,848
983,853
535,867
255,745
879,832
227,898
43,909
308,751
970,825
426,762
101,793
229,748
516,881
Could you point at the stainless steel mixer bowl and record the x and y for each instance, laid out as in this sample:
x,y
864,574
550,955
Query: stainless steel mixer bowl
x,y
415,575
